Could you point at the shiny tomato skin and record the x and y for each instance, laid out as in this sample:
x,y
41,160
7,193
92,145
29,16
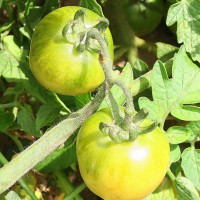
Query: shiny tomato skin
x,y
144,15
56,64
121,171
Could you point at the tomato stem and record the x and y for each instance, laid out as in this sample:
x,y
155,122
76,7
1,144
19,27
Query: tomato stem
x,y
21,182
118,132
171,175
75,192
47,143
65,185
112,78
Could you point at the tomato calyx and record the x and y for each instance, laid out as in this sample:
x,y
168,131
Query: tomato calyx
x,y
76,32
118,133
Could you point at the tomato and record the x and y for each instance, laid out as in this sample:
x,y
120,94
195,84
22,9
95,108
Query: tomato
x,y
143,15
119,171
56,64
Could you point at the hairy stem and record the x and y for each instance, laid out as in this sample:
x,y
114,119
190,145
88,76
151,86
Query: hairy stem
x,y
112,78
21,182
55,137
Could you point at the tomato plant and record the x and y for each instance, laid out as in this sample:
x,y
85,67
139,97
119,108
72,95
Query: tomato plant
x,y
125,170
143,16
116,160
56,64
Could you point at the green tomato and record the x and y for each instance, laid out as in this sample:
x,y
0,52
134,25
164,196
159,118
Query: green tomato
x,y
126,170
143,15
56,64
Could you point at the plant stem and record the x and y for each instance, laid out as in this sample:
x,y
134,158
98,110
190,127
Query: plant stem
x,y
124,36
21,182
140,43
112,78
65,184
35,153
171,175
74,193
61,103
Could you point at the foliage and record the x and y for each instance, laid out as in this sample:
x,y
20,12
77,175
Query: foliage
x,y
38,128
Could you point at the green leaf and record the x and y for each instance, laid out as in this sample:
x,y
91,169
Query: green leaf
x,y
61,158
175,153
163,192
185,189
12,196
12,47
6,120
118,94
92,5
49,6
10,56
177,134
46,114
5,26
186,13
82,99
189,113
139,68
170,95
165,51
194,129
31,14
26,120
190,164
15,67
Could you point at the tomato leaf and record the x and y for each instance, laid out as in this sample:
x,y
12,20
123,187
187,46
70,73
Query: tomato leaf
x,y
31,14
194,129
92,5
185,189
177,134
175,153
61,158
14,67
186,14
190,164
139,68
12,195
26,120
49,6
82,99
10,56
6,120
163,192
127,76
165,51
47,114
170,95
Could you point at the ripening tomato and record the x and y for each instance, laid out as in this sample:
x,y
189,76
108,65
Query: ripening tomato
x,y
143,15
56,64
121,171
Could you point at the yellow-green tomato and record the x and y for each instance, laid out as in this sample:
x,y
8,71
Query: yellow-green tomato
x,y
56,64
121,171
